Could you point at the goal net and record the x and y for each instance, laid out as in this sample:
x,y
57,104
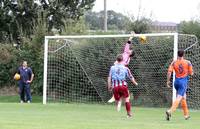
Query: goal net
x,y
76,67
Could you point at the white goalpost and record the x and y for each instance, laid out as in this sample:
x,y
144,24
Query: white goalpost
x,y
175,57
76,67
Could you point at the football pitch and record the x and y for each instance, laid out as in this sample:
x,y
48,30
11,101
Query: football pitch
x,y
89,116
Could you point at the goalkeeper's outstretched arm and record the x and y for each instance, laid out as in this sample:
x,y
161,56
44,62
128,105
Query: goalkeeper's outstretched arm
x,y
130,38
127,45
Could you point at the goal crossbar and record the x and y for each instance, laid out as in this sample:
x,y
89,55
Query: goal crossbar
x,y
107,36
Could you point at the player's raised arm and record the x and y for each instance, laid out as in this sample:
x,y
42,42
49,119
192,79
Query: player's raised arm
x,y
128,43
130,38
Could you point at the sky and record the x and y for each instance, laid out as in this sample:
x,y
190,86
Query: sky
x,y
161,10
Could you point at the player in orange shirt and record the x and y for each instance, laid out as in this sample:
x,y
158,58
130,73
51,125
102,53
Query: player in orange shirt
x,y
182,68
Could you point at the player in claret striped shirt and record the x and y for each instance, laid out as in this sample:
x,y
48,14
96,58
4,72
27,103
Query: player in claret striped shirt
x,y
127,54
117,83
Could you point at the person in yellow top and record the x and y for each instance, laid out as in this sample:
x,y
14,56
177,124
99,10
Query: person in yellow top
x,y
182,68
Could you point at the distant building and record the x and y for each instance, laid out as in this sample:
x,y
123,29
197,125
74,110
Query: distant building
x,y
164,27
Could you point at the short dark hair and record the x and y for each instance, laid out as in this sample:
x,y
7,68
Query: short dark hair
x,y
180,53
119,58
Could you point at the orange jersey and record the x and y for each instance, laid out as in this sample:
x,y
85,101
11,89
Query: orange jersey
x,y
181,67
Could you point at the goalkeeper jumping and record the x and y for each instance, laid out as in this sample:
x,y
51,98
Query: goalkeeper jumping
x,y
127,54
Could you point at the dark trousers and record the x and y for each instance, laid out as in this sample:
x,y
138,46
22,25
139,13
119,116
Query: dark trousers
x,y
25,91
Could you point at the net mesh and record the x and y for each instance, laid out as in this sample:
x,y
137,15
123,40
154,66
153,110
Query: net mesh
x,y
78,69
192,53
67,81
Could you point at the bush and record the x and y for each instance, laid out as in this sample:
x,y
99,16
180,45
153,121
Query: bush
x,y
8,60
31,51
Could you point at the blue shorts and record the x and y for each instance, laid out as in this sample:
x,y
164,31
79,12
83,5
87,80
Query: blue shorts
x,y
180,85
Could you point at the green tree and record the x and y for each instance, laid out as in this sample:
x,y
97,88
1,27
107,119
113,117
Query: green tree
x,y
58,11
190,27
141,25
20,17
115,21
94,20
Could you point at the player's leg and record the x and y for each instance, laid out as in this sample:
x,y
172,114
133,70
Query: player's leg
x,y
128,107
119,104
181,90
28,93
116,96
127,101
21,92
183,101
111,100
185,108
120,101
175,103
173,107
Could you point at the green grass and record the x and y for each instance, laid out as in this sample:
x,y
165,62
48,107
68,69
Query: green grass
x,y
89,116
15,98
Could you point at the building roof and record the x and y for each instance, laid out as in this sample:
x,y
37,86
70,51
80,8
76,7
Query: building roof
x,y
158,23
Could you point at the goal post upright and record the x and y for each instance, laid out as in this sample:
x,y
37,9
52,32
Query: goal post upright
x,y
175,57
45,70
